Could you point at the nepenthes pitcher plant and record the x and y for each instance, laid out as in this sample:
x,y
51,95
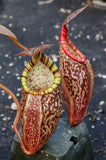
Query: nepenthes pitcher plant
x,y
77,74
40,105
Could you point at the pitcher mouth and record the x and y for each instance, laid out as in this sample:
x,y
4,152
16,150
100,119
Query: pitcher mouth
x,y
51,66
68,47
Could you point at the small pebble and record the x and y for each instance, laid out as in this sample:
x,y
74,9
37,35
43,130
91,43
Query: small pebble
x,y
45,2
101,75
19,89
92,126
72,29
3,92
101,111
75,37
102,122
3,129
71,34
54,57
42,42
6,55
96,112
11,64
20,57
10,25
17,94
81,32
79,35
4,119
7,107
69,11
17,74
4,16
0,67
12,127
104,49
88,37
25,63
13,106
99,36
90,119
11,17
9,97
94,59
18,78
101,103
57,37
57,26
15,58
47,155
104,86
2,115
98,118
24,29
8,118
8,72
83,3
69,131
62,10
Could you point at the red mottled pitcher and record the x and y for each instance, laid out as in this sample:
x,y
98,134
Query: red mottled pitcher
x,y
40,105
77,75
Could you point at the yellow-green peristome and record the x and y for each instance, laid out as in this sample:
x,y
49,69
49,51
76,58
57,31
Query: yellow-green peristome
x,y
40,76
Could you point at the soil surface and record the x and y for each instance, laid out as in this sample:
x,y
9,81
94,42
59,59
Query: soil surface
x,y
37,22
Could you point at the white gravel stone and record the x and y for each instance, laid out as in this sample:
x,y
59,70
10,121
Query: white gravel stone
x,y
13,106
